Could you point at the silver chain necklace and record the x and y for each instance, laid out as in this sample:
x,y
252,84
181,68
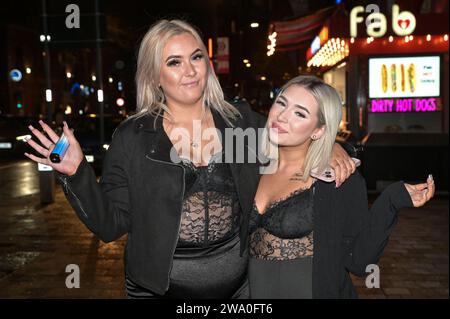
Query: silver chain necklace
x,y
194,143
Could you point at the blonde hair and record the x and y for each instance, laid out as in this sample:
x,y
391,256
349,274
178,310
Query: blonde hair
x,y
150,97
329,115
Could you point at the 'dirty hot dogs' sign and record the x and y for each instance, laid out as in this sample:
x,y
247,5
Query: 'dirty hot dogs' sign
x,y
405,105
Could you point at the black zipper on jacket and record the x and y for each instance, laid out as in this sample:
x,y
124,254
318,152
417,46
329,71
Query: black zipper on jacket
x,y
68,190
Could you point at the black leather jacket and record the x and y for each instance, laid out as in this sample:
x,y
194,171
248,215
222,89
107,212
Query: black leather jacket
x,y
141,192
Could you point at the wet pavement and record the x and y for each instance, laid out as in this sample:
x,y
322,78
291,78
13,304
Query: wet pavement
x,y
37,242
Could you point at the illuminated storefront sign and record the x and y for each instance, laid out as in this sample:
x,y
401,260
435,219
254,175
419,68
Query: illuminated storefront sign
x,y
332,52
315,45
323,35
403,23
404,77
405,105
318,42
404,84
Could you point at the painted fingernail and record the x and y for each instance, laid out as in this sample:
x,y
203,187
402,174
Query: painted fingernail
x,y
30,127
41,122
430,177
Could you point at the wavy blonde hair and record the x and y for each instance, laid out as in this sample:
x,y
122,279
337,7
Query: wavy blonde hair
x,y
329,115
150,97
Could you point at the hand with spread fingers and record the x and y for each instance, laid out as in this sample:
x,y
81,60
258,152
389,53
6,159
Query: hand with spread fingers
x,y
74,154
342,164
421,193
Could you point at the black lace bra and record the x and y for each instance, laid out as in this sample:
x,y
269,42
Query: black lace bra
x,y
211,208
285,229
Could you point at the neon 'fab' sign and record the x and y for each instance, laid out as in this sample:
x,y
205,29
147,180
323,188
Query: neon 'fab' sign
x,y
403,23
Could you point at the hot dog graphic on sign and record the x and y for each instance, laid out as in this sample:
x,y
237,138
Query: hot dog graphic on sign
x,y
404,77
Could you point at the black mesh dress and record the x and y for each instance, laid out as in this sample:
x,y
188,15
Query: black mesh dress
x,y
281,248
206,262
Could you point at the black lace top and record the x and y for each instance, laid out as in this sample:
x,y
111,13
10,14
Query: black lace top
x,y
208,242
285,229
210,211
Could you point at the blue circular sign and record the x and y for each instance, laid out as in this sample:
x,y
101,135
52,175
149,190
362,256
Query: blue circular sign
x,y
15,75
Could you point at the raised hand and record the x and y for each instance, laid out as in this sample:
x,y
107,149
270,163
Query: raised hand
x,y
421,193
74,154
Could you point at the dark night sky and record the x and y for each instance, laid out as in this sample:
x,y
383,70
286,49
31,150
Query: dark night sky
x,y
127,22
135,16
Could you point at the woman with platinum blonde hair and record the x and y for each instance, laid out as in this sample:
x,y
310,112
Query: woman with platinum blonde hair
x,y
150,94
306,235
180,204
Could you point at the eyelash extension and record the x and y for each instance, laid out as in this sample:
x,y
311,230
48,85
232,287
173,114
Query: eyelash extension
x,y
176,62
200,56
173,62
296,113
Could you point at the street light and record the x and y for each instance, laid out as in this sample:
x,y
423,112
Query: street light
x,y
273,43
48,95
120,101
100,95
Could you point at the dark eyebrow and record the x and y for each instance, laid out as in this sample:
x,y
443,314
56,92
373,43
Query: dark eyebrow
x,y
179,56
282,97
296,105
303,108
197,50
